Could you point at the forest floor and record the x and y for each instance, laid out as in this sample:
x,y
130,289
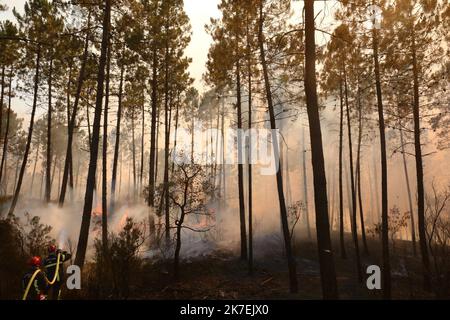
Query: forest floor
x,y
222,275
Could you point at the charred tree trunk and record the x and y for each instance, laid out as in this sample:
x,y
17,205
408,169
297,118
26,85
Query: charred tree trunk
x,y
305,186
341,189
154,88
293,283
48,187
408,188
141,168
327,270
105,159
133,151
5,138
352,183
73,117
30,134
384,182
358,176
419,169
2,95
244,254
117,141
250,179
87,210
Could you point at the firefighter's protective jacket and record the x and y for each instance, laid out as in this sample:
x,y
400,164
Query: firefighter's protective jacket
x,y
51,261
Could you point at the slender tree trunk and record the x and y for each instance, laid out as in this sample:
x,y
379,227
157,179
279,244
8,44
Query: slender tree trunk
x,y
408,188
133,151
69,83
305,186
48,166
154,85
141,173
293,283
117,142
384,182
419,169
30,134
2,95
327,270
341,189
73,117
87,210
250,180
244,254
5,138
178,246
358,176
176,133
352,183
105,158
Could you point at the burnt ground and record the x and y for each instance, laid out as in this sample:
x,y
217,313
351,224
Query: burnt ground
x,y
221,275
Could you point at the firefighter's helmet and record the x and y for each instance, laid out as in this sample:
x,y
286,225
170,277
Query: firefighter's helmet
x,y
35,261
51,248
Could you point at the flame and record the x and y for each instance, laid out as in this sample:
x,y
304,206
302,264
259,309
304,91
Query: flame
x,y
123,220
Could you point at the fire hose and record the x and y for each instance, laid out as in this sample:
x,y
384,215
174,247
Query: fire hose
x,y
55,276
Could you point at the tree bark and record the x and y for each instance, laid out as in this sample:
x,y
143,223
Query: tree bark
x,y
73,117
358,176
293,283
87,210
327,269
352,182
117,142
305,185
408,188
105,159
384,186
5,139
154,88
244,253
341,189
48,187
419,170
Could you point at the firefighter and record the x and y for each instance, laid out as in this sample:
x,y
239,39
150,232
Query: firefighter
x,y
50,267
38,289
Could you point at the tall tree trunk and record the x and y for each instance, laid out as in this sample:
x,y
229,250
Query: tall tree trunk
x,y
358,175
419,169
352,182
250,180
133,151
305,185
341,189
73,117
293,283
105,159
244,254
327,270
48,166
69,83
154,88
384,182
5,138
87,210
30,134
117,142
2,95
408,188
141,168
